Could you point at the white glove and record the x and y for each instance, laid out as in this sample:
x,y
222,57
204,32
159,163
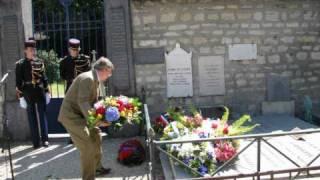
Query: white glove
x,y
48,97
23,103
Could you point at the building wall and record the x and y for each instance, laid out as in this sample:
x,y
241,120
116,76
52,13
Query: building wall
x,y
286,33
15,20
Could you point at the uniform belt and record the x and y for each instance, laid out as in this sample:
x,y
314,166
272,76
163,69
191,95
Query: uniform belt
x,y
30,83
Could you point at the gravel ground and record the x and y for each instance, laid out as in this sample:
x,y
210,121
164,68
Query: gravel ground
x,y
61,161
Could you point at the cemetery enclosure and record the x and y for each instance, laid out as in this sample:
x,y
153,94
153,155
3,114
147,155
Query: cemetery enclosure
x,y
272,152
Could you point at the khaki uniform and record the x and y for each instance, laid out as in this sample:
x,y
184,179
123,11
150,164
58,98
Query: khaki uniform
x,y
81,96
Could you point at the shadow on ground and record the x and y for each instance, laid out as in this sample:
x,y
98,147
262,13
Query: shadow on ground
x,y
61,161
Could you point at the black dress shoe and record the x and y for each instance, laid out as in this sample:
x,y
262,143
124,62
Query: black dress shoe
x,y
36,146
102,171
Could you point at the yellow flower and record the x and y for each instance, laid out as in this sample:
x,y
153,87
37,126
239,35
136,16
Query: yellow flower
x,y
113,102
123,114
130,114
184,119
99,117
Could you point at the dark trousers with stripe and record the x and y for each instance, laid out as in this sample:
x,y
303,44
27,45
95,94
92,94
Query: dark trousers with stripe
x,y
33,109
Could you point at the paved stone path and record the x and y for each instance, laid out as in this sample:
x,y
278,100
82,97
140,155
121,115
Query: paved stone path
x,y
61,161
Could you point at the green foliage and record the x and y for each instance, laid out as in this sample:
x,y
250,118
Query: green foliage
x,y
194,110
225,115
51,61
238,128
176,115
241,121
91,121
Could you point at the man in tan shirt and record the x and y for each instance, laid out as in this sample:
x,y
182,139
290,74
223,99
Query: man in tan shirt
x,y
80,98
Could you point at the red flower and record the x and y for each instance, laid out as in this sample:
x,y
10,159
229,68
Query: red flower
x,y
160,122
125,154
224,151
226,130
214,125
129,106
121,106
101,110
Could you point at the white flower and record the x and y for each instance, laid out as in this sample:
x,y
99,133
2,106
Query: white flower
x,y
174,127
172,134
124,99
98,104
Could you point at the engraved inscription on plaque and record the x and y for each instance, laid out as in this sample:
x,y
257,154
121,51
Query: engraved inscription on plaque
x,y
211,75
119,55
179,73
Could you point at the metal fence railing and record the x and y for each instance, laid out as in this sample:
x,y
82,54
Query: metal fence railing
x,y
155,144
52,31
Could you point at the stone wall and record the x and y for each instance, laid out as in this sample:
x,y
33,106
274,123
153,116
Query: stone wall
x,y
15,26
286,33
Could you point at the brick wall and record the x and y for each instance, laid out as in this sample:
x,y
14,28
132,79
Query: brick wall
x,y
286,33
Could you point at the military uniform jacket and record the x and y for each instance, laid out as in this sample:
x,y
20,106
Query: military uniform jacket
x,y
80,98
31,80
71,67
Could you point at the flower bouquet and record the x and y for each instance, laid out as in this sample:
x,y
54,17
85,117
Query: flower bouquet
x,y
116,110
203,157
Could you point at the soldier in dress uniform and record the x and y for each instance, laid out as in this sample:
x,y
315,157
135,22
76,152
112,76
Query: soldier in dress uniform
x,y
32,90
73,64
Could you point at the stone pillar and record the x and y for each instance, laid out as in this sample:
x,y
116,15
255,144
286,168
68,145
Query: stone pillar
x,y
16,26
119,46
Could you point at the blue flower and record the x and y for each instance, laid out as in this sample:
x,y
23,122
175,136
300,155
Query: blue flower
x,y
203,170
210,156
187,160
112,114
202,135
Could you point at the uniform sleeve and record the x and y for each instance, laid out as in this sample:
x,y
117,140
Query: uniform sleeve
x,y
62,70
85,93
45,79
19,79
89,64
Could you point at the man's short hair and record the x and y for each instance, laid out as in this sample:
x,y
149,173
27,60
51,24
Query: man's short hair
x,y
103,63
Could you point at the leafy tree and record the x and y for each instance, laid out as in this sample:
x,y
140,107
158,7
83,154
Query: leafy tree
x,y
51,61
54,5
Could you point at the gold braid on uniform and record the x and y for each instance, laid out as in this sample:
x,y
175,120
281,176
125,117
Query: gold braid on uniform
x,y
37,71
82,64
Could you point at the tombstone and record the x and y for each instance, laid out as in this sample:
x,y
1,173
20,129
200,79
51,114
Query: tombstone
x,y
278,88
211,75
179,73
278,97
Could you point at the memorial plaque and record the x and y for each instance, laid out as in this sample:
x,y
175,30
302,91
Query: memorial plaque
x,y
119,46
12,54
179,73
211,75
119,53
149,55
242,51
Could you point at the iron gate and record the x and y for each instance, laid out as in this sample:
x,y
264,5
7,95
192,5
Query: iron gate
x,y
52,29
